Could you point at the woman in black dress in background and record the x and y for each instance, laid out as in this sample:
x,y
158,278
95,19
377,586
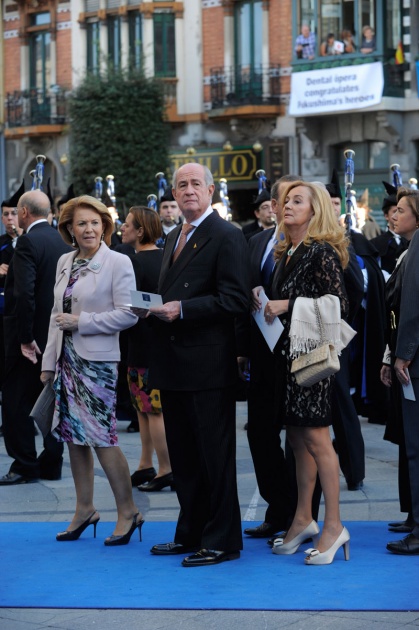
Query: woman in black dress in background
x,y
142,228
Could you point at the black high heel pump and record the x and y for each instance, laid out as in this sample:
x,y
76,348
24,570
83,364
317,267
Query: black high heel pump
x,y
75,533
158,483
112,541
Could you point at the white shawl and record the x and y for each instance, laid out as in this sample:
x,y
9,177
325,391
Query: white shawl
x,y
304,330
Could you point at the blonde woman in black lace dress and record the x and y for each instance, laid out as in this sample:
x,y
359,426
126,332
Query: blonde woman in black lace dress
x,y
311,258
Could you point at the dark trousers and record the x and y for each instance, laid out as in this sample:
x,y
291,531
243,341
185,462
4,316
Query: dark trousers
x,y
410,424
201,438
263,433
346,425
21,388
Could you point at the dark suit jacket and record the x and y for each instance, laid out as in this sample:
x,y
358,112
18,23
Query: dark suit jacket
x,y
408,328
250,341
29,294
211,279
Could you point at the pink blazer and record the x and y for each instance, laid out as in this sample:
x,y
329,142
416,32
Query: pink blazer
x,y
100,299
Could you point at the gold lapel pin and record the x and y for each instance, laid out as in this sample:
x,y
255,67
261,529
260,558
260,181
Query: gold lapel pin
x,y
194,246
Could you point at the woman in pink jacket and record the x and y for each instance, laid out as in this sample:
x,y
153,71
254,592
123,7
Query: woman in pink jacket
x,y
91,297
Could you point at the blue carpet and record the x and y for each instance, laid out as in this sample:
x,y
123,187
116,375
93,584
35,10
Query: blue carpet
x,y
38,572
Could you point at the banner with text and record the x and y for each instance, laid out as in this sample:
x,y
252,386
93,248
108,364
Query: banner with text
x,y
336,89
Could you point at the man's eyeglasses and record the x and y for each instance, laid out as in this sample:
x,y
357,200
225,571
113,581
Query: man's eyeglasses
x,y
12,212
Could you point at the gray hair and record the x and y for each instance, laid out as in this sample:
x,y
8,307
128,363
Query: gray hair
x,y
36,202
209,180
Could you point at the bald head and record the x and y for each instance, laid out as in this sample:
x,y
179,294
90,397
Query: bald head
x,y
32,206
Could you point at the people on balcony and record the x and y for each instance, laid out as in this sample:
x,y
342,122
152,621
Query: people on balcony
x,y
368,40
305,44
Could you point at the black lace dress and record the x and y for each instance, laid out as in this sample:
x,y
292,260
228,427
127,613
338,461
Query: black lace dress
x,y
311,272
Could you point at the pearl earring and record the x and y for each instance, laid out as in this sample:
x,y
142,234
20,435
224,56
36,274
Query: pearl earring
x,y
73,241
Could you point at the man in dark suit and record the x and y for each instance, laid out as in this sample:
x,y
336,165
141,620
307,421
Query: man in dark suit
x,y
406,368
264,426
204,283
28,303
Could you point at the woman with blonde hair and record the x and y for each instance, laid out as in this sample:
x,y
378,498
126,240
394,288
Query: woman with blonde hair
x,y
91,297
311,258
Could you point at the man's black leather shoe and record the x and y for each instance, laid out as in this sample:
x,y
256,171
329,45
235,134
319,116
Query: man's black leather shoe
x,y
12,479
402,527
408,546
353,486
205,557
265,530
171,549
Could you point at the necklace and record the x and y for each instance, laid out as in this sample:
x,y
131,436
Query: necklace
x,y
292,249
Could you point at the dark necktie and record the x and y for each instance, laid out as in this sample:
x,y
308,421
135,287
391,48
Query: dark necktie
x,y
268,266
186,228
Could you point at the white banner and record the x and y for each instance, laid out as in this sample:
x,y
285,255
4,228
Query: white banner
x,y
336,89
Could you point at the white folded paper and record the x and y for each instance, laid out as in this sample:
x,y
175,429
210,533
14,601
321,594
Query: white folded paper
x,y
271,332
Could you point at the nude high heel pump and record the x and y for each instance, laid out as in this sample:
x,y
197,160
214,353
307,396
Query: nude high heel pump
x,y
326,557
75,533
285,549
113,541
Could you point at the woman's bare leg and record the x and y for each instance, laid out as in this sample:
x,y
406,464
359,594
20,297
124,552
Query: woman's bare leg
x,y
81,461
115,465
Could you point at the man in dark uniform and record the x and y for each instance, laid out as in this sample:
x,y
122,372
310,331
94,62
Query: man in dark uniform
x,y
265,218
7,249
346,426
389,244
170,215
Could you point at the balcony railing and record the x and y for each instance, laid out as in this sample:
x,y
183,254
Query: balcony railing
x,y
244,85
34,107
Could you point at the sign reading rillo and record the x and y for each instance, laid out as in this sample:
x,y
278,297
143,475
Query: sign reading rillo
x,y
235,165
336,89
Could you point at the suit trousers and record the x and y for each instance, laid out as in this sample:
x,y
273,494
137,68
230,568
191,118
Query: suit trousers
x,y
201,438
21,388
411,432
263,433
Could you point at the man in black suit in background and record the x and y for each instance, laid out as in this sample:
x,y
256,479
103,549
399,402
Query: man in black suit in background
x,y
264,426
204,283
28,303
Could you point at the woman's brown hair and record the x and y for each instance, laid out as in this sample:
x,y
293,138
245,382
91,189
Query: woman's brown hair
x,y
149,220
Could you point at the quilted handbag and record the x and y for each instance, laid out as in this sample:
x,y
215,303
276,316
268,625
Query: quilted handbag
x,y
318,364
